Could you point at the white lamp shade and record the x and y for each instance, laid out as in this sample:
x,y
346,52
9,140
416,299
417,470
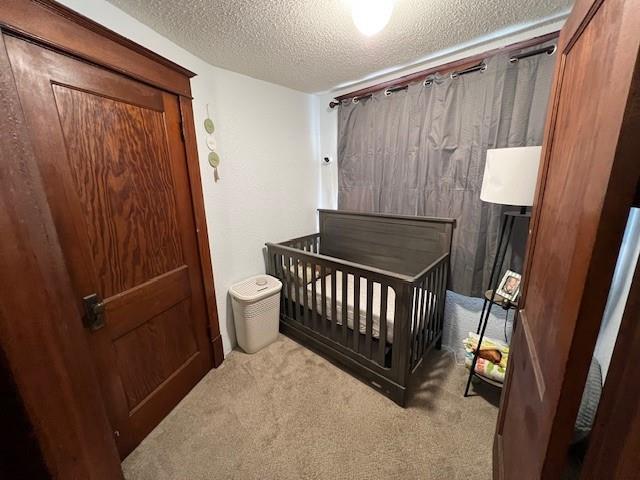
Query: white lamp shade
x,y
510,176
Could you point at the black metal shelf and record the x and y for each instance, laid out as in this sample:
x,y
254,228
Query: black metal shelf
x,y
491,298
488,380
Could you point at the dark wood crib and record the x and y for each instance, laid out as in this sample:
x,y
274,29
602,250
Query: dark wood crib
x,y
367,292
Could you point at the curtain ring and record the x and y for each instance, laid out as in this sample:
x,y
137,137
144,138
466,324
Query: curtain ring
x,y
553,50
355,100
483,67
428,82
387,92
454,75
513,60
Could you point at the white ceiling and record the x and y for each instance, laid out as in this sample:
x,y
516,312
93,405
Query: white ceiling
x,y
312,45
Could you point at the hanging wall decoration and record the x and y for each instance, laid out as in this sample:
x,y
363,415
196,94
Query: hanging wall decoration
x,y
214,158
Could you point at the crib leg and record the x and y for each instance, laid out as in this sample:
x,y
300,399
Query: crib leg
x,y
399,397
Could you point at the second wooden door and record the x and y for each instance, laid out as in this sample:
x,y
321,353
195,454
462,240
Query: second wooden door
x,y
588,180
112,157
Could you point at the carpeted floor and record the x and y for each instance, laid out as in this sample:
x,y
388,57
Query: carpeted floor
x,y
286,413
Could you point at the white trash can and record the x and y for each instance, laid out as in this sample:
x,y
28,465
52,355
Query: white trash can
x,y
256,311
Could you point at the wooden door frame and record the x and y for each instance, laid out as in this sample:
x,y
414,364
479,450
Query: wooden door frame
x,y
48,356
608,241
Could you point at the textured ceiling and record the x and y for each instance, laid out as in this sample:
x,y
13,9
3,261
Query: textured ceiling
x,y
312,45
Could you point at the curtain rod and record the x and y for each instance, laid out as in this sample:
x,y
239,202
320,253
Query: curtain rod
x,y
481,67
550,50
456,68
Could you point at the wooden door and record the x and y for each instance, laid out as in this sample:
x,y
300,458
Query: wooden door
x,y
587,182
112,157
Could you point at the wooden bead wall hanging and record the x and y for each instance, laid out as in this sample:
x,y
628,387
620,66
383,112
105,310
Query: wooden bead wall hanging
x,y
214,158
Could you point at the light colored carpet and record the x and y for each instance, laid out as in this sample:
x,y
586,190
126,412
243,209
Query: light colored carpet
x,y
286,413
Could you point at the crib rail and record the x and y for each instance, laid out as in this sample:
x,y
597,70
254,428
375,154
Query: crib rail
x,y
308,243
375,322
350,305
318,292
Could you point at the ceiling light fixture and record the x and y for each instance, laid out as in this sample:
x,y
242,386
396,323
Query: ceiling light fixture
x,y
371,16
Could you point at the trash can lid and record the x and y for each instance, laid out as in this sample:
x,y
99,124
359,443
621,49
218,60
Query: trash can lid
x,y
255,288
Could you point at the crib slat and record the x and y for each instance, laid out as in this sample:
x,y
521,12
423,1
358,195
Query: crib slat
x,y
433,309
428,334
436,310
369,318
424,296
356,312
287,272
414,327
280,275
439,313
334,308
296,286
422,286
345,285
383,323
418,330
323,293
305,301
285,285
314,303
427,309
436,300
443,294
271,264
425,314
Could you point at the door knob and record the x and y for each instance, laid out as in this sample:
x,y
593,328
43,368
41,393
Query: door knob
x,y
93,312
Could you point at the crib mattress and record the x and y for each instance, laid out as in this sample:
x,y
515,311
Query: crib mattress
x,y
375,314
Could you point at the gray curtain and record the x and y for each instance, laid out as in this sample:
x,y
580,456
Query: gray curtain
x,y
422,151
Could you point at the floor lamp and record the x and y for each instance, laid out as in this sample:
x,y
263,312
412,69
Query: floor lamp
x,y
510,176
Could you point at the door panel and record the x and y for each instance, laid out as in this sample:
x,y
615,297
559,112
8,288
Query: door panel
x,y
112,157
150,353
586,187
127,199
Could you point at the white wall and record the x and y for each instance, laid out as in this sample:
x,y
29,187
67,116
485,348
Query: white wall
x,y
269,171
